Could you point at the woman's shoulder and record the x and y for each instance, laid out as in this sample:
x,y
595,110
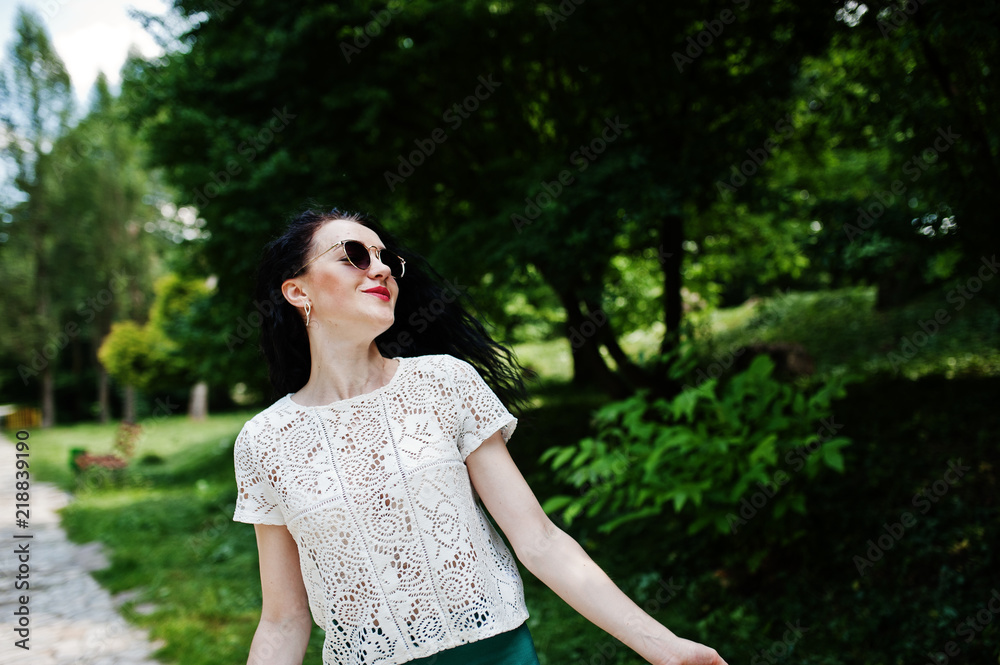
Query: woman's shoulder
x,y
441,363
274,417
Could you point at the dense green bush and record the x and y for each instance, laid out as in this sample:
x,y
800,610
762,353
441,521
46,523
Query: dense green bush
x,y
721,452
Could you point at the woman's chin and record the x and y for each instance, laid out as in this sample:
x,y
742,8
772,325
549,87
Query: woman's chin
x,y
384,325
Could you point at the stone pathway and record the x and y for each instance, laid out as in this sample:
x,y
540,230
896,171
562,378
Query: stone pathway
x,y
72,619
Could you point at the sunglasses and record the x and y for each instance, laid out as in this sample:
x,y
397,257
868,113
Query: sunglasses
x,y
360,257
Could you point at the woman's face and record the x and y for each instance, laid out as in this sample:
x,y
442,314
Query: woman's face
x,y
344,299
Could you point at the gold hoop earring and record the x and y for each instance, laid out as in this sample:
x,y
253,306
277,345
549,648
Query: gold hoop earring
x,y
309,307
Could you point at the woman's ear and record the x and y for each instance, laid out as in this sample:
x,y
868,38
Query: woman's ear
x,y
294,292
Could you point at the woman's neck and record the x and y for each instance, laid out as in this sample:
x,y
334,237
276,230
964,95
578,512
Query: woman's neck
x,y
343,370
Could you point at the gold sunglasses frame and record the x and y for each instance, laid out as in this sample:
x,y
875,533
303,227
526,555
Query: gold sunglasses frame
x,y
378,255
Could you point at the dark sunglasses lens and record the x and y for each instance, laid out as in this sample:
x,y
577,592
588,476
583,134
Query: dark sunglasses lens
x,y
358,254
392,262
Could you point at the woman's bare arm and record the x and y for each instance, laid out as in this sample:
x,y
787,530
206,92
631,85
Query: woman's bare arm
x,y
558,561
285,622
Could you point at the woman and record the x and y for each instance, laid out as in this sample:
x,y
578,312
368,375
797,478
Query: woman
x,y
362,480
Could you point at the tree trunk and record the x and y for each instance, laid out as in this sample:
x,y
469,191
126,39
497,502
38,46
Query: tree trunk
x,y
589,368
104,320
198,404
128,415
671,256
48,397
629,371
48,374
102,394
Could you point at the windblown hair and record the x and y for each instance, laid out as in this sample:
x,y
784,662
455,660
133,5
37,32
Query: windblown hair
x,y
429,318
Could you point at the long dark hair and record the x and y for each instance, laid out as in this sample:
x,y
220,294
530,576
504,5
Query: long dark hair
x,y
431,316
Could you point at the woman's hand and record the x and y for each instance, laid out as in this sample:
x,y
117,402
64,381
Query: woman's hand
x,y
686,652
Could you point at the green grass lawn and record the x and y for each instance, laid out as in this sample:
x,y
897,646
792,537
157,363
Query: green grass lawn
x,y
169,446
168,524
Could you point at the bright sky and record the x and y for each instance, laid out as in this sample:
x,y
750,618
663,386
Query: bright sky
x,y
89,35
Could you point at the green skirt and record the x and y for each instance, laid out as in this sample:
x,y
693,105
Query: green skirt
x,y
515,647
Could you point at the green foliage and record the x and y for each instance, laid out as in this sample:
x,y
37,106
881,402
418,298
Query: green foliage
x,y
842,331
178,314
135,355
879,160
35,106
73,243
175,297
707,450
164,352
524,150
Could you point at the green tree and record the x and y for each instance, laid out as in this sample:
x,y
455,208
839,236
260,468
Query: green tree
x,y
457,120
896,156
178,312
77,239
135,356
108,258
163,354
35,107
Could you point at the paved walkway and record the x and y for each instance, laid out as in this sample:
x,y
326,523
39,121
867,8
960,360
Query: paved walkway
x,y
73,620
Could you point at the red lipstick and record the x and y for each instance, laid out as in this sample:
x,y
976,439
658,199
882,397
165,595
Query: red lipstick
x,y
379,291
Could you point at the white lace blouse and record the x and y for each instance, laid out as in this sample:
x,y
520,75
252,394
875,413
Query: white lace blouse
x,y
396,552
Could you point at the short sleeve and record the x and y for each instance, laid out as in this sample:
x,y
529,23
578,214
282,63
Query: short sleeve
x,y
481,413
256,501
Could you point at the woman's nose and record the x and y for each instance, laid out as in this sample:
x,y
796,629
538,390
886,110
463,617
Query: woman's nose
x,y
377,268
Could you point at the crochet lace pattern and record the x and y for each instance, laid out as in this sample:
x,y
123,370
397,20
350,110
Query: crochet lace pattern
x,y
397,554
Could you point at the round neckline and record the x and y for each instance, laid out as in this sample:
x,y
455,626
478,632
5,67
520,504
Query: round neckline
x,y
390,382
